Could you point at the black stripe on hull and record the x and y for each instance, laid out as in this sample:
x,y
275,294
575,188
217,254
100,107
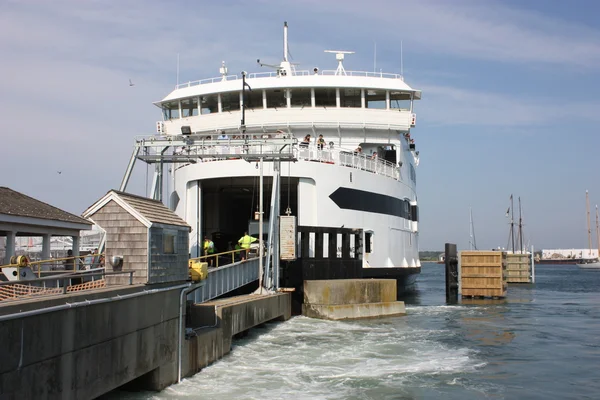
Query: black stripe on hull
x,y
361,200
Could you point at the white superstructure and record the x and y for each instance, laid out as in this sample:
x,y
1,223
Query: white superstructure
x,y
332,186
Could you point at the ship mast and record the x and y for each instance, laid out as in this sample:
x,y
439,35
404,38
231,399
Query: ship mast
x,y
587,207
285,42
520,228
512,223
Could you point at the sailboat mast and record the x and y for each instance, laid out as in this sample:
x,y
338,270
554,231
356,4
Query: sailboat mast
x,y
470,229
520,228
597,231
587,207
512,223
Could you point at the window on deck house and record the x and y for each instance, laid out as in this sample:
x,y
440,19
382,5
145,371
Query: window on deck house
x,y
325,98
171,110
189,107
230,101
350,98
254,100
375,98
276,98
399,100
301,97
209,104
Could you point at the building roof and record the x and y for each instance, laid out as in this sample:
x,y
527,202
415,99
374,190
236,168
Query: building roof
x,y
145,210
17,204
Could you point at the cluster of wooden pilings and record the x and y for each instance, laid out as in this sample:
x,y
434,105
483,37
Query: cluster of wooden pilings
x,y
486,274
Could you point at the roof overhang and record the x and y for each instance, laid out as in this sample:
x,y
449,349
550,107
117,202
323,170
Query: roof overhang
x,y
117,199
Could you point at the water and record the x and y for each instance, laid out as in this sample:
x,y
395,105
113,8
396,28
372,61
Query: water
x,y
542,342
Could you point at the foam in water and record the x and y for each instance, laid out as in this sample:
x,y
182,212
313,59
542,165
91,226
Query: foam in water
x,y
307,358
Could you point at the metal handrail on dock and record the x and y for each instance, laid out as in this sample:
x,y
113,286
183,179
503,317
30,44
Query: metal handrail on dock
x,y
208,258
62,284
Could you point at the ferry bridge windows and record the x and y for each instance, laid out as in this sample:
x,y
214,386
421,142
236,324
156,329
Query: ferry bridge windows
x,y
230,101
350,98
254,100
209,104
189,107
171,110
400,100
325,97
301,97
375,98
276,98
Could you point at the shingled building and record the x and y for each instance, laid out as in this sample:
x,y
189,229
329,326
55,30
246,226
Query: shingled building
x,y
151,239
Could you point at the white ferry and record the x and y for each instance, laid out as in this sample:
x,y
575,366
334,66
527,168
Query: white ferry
x,y
364,176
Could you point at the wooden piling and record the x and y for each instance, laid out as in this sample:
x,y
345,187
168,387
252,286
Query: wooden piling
x,y
483,274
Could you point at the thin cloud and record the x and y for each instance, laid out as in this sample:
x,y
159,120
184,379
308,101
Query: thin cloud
x,y
481,30
447,105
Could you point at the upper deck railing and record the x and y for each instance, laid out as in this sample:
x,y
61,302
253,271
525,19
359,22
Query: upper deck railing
x,y
273,74
206,150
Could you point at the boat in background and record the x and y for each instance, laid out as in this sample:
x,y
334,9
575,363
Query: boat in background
x,y
593,263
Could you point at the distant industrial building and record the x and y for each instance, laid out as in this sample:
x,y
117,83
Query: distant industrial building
x,y
569,253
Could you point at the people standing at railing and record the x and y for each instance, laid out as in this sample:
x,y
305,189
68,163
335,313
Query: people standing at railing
x,y
305,142
69,262
223,136
245,242
320,142
358,150
209,249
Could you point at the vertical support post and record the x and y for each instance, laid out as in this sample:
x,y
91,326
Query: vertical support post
x,y
451,261
345,245
260,230
75,252
10,246
304,244
319,245
46,238
332,245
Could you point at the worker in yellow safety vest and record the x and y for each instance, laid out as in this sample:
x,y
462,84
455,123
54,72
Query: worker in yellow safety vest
x,y
245,242
209,248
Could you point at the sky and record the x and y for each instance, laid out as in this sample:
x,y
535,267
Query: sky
x,y
509,103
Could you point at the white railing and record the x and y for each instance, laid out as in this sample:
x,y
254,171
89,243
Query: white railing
x,y
208,149
273,74
349,159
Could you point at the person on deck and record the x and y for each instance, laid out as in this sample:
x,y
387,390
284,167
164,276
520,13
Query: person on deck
x,y
320,142
209,249
305,142
245,242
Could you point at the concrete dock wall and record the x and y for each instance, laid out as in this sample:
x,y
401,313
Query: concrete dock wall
x,y
89,350
83,352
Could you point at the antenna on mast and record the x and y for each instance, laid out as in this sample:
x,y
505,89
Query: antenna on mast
x,y
375,57
177,69
401,61
285,41
339,56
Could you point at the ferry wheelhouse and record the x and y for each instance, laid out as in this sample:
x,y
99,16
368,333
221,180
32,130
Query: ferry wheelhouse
x,y
364,176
